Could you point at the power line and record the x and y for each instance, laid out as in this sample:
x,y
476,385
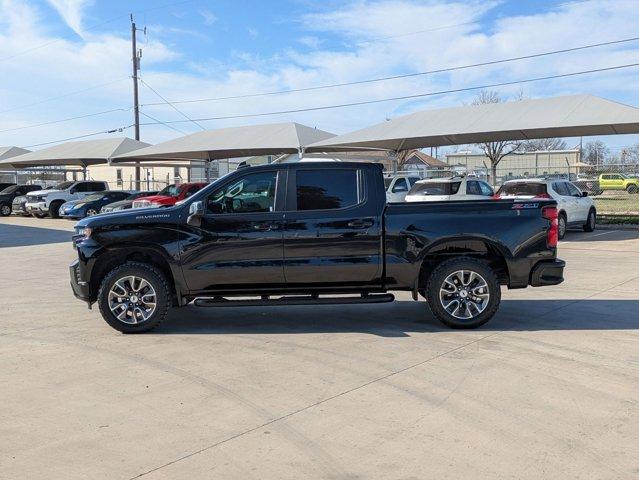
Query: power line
x,y
52,122
170,104
408,97
64,95
163,123
406,75
114,130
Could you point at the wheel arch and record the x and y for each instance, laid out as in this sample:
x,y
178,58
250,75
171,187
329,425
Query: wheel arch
x,y
115,256
493,253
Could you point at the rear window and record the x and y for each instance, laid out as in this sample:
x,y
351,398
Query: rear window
x,y
432,188
521,189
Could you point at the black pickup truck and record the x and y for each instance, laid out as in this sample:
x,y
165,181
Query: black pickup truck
x,y
311,233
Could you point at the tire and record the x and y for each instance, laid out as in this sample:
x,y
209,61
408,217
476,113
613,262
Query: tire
x,y
130,321
439,283
54,209
5,210
562,225
632,189
591,221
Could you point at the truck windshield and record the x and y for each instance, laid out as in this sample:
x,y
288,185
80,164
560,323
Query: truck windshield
x,y
170,191
521,189
435,188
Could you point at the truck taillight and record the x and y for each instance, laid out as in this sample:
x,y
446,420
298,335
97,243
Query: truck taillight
x,y
550,213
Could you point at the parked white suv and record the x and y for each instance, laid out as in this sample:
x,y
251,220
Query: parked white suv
x,y
48,202
576,208
456,188
398,186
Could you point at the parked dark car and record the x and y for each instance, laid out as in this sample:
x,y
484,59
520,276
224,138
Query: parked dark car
x,y
305,233
8,194
126,203
5,185
90,205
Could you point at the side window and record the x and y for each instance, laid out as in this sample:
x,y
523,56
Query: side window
x,y
560,188
486,189
81,187
472,188
605,177
326,189
97,187
251,193
400,186
574,191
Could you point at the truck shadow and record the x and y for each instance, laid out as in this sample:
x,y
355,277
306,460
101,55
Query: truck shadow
x,y
400,318
576,236
20,236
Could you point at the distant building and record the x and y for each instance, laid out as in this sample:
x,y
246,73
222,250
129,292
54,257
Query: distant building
x,y
518,165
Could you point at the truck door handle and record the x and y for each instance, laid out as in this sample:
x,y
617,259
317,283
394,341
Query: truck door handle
x,y
263,227
360,223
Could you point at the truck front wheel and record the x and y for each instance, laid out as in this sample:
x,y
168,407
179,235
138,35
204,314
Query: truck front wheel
x,y
134,297
463,292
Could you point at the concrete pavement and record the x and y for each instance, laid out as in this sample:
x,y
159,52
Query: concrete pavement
x,y
548,389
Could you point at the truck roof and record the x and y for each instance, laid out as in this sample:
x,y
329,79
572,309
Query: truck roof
x,y
311,164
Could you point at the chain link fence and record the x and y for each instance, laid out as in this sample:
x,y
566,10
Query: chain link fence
x,y
614,187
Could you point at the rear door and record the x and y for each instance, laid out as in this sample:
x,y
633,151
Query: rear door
x,y
581,204
564,200
332,233
239,242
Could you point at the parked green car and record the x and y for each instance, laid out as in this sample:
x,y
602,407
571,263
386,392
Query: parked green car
x,y
618,181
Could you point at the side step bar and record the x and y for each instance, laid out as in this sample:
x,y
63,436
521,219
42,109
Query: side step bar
x,y
293,300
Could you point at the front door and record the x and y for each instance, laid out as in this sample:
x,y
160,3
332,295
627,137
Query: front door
x,y
239,243
332,231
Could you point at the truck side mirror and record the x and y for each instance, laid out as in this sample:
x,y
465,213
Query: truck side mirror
x,y
196,212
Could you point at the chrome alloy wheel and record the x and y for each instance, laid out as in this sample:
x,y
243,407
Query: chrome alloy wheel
x,y
464,294
132,300
91,212
5,210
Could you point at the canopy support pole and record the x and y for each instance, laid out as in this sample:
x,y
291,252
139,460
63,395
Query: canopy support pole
x,y
207,169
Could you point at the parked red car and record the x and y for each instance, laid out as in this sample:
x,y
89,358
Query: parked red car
x,y
169,196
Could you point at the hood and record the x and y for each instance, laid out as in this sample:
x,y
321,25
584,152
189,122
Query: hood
x,y
75,203
156,199
42,192
129,217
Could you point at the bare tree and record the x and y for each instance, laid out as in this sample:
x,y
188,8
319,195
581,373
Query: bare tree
x,y
495,151
543,144
595,152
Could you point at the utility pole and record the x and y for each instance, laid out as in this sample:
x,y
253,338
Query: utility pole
x,y
135,57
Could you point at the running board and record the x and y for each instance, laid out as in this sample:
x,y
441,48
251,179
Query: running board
x,y
293,300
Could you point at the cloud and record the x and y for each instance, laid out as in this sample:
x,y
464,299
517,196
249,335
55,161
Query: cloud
x,y
71,12
209,17
353,41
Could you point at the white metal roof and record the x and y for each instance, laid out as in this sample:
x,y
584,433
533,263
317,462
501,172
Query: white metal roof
x,y
80,153
569,116
246,141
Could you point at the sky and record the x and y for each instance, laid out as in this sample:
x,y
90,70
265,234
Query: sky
x,y
71,59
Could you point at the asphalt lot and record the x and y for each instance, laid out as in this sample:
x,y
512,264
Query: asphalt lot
x,y
548,389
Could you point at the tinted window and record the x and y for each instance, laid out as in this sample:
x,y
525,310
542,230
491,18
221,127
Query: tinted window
x,y
561,189
11,189
413,180
326,189
81,187
435,188
486,189
400,186
521,189
251,193
97,187
473,188
574,191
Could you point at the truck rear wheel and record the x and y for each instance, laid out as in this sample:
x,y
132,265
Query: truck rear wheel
x,y
134,297
463,292
54,209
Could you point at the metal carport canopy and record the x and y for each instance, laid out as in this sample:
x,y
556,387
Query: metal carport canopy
x,y
246,141
81,153
9,152
567,116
